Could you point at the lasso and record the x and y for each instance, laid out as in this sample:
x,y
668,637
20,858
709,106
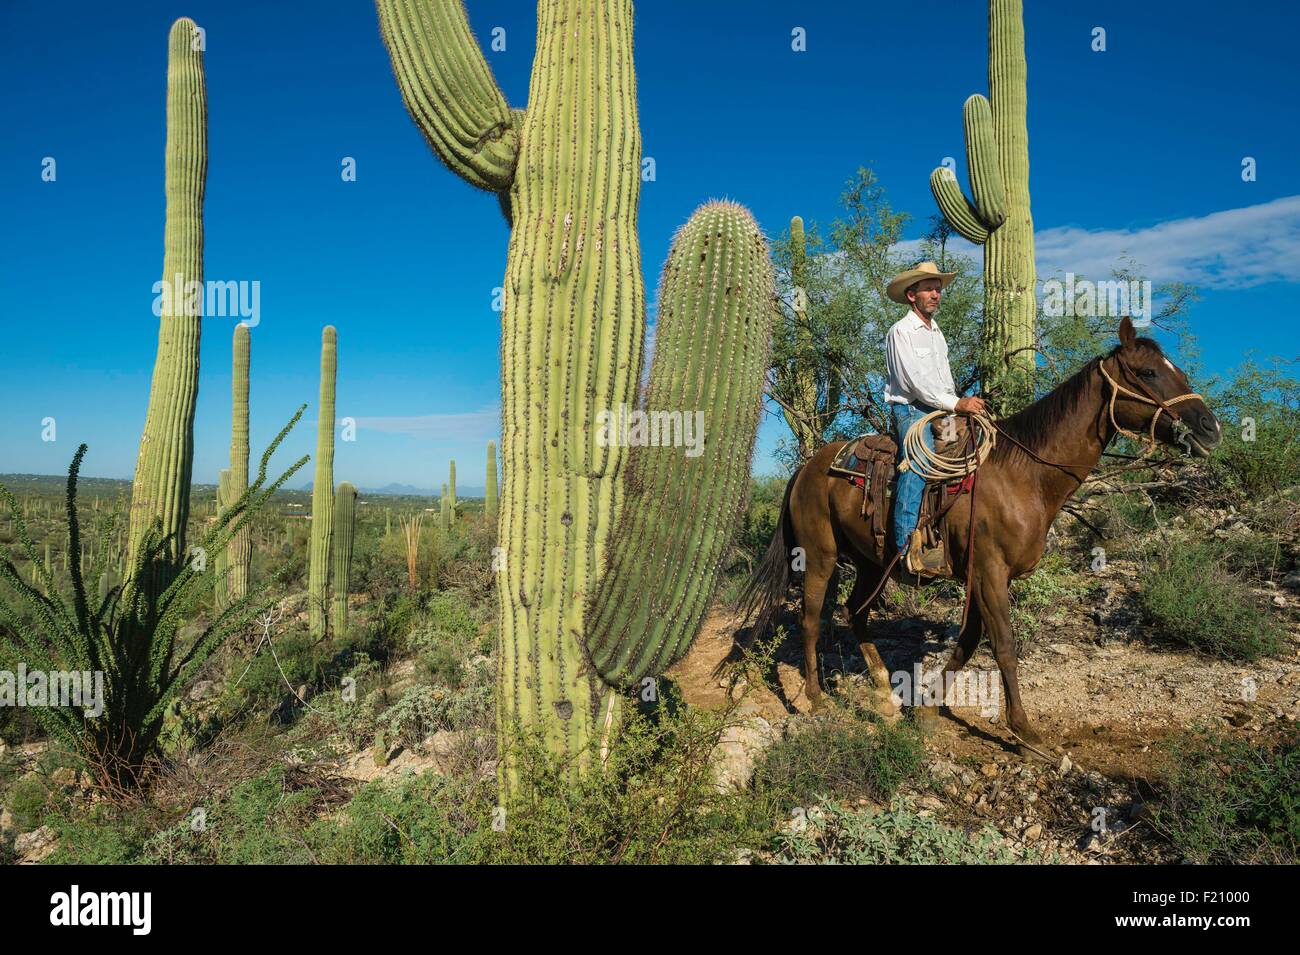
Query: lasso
x,y
935,466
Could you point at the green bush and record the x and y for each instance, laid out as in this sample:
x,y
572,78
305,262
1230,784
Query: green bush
x,y
1270,461
1195,601
1229,800
27,800
845,754
834,833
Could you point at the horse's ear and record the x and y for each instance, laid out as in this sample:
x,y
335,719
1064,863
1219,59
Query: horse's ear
x,y
1127,333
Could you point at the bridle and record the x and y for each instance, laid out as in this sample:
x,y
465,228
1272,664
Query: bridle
x,y
1148,397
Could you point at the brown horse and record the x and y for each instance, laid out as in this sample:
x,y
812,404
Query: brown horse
x,y
1042,455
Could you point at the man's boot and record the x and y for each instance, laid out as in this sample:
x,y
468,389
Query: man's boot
x,y
923,562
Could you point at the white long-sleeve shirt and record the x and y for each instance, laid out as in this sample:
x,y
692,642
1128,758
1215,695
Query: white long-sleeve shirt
x,y
916,355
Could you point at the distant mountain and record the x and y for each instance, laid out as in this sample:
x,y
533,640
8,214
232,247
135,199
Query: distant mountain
x,y
410,490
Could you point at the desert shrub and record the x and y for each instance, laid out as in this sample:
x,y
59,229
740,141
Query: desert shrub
x,y
1230,801
1194,601
1260,455
898,836
846,754
1037,597
27,800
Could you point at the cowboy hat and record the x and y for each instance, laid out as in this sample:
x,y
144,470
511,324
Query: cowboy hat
x,y
901,282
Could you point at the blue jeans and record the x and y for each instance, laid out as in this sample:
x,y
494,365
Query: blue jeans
x,y
910,485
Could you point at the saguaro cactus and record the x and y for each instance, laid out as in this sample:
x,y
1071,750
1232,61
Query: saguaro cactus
x,y
322,491
566,171
997,155
451,489
161,489
490,491
444,515
240,551
802,415
221,568
345,516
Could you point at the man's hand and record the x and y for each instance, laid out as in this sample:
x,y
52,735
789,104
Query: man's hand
x,y
972,405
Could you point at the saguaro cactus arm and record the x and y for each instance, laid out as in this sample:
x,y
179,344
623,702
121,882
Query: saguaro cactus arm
x,y
449,90
711,353
974,220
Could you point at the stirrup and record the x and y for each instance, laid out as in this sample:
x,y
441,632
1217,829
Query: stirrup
x,y
922,562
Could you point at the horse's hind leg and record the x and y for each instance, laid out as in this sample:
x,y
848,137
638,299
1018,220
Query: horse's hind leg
x,y
867,580
817,575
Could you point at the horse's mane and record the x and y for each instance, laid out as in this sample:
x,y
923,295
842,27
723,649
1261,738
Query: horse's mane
x,y
1032,426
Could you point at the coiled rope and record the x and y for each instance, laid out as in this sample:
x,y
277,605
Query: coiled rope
x,y
933,465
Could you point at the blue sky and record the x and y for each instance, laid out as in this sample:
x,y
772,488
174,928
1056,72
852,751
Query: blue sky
x,y
1137,149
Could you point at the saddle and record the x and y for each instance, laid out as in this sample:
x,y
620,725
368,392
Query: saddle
x,y
868,462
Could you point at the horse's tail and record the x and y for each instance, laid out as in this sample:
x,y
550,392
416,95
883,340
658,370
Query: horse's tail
x,y
766,589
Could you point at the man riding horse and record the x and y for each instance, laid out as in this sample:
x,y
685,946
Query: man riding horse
x,y
920,382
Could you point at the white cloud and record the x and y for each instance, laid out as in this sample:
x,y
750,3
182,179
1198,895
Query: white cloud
x,y
1231,249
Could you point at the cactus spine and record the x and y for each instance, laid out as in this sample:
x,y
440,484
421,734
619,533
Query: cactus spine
x,y
490,491
997,154
161,488
345,515
451,489
573,322
322,491
239,553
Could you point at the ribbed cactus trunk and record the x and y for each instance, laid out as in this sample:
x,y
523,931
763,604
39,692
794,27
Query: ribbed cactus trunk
x,y
221,568
322,492
997,153
451,490
490,490
239,554
345,517
444,514
161,488
801,416
567,172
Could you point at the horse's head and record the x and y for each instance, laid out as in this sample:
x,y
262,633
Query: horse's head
x,y
1153,397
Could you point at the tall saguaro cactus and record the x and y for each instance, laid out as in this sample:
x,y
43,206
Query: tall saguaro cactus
x,y
801,415
566,171
345,517
997,155
161,488
322,491
240,551
490,490
451,489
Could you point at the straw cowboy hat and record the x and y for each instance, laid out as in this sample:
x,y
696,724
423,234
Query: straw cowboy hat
x,y
901,282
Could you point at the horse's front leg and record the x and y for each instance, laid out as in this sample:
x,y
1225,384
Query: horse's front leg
x,y
967,642
995,609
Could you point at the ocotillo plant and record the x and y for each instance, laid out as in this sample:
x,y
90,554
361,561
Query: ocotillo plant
x,y
490,491
161,488
345,515
322,491
451,489
239,554
997,156
566,172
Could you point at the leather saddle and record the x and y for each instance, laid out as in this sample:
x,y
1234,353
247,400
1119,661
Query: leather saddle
x,y
868,462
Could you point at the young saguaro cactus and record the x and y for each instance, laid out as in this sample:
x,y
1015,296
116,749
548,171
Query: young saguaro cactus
x,y
997,155
221,569
161,488
444,515
239,553
322,491
345,517
801,416
566,171
490,491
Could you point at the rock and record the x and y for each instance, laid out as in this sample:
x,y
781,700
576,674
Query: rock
x,y
34,846
66,777
989,769
1279,601
204,690
1033,832
736,756
930,802
1065,765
